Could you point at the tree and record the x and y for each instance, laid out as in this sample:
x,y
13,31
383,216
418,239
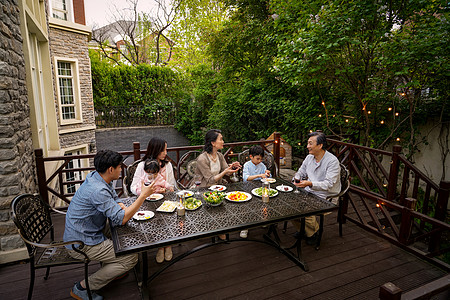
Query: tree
x,y
346,50
135,37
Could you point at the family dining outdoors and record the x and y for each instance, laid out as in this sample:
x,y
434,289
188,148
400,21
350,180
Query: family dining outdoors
x,y
95,205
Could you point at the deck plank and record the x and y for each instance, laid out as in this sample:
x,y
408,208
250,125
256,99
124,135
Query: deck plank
x,y
348,267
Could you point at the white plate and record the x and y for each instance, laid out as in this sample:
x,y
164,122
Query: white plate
x,y
167,206
254,192
143,215
155,197
186,193
246,194
269,180
218,187
284,188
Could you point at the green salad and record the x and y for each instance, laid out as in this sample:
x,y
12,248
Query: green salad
x,y
214,197
272,192
192,203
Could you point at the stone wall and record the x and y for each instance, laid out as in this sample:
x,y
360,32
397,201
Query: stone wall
x,y
68,44
17,173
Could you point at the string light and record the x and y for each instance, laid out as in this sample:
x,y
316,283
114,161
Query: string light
x,y
334,116
381,122
402,94
320,116
369,112
323,103
310,131
398,139
378,205
390,108
396,114
299,144
346,120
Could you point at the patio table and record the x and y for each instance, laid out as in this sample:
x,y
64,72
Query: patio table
x,y
166,229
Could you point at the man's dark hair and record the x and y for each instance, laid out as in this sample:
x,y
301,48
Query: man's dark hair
x,y
321,139
211,136
105,159
151,166
256,150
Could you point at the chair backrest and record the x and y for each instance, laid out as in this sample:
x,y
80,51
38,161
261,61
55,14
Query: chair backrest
x,y
345,182
32,217
186,167
268,160
131,169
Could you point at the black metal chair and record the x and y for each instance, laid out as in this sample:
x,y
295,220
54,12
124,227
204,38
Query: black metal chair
x,y
345,185
186,167
131,169
32,217
268,161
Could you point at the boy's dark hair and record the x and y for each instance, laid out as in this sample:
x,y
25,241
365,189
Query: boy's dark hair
x,y
211,136
154,147
256,150
151,166
105,159
321,139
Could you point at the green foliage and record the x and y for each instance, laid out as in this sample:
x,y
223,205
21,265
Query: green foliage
x,y
134,85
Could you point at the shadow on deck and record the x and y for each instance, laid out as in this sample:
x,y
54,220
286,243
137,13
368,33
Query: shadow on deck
x,y
350,267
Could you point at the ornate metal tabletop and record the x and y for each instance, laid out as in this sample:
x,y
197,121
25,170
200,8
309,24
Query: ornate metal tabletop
x,y
168,228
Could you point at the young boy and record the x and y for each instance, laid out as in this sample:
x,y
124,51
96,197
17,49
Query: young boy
x,y
254,170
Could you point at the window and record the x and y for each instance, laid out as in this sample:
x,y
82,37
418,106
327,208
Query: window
x,y
60,9
68,91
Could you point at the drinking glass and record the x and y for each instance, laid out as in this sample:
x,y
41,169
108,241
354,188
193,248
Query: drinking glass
x,y
197,181
297,179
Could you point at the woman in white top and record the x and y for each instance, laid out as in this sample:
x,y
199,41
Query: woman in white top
x,y
211,164
156,149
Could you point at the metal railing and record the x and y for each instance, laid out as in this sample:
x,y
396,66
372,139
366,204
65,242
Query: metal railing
x,y
128,116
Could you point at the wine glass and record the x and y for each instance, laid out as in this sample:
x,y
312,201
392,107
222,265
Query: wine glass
x,y
197,181
297,179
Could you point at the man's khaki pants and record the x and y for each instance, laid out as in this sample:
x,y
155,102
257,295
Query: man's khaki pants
x,y
311,225
112,266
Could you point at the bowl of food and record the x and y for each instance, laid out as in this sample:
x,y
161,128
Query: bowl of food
x,y
214,198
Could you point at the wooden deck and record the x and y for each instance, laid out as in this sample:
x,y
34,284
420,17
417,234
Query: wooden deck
x,y
351,267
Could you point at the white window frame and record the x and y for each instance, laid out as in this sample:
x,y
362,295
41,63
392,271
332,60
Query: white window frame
x,y
81,163
76,91
69,11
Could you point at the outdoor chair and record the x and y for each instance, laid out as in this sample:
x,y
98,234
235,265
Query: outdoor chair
x,y
32,218
131,169
345,185
186,167
268,161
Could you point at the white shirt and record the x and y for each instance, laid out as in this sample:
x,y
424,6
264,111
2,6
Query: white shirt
x,y
324,175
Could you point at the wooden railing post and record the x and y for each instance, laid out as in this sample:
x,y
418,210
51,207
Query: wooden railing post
x,y
276,150
40,172
440,213
390,291
406,222
137,150
393,173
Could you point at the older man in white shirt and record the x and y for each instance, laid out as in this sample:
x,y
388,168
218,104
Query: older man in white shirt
x,y
320,175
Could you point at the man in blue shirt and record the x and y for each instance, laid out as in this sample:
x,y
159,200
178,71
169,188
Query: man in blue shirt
x,y
92,205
